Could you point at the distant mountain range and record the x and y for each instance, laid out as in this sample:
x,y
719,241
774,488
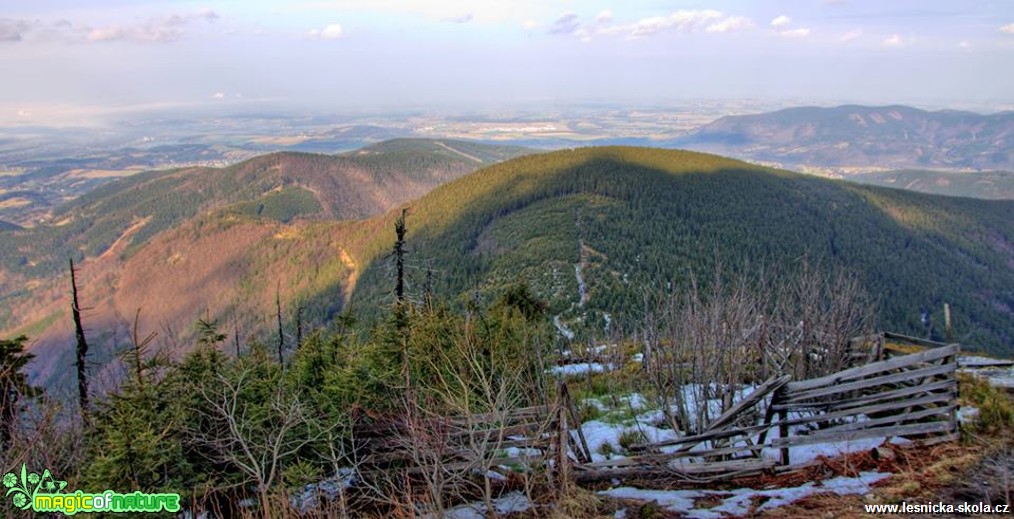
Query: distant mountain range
x,y
864,137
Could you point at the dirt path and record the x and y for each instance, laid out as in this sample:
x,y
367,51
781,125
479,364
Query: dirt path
x,y
459,152
120,242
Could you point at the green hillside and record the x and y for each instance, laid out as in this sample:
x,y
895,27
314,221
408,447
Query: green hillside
x,y
995,185
350,186
637,217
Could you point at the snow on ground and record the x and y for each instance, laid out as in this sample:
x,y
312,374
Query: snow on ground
x,y
568,370
513,502
562,328
737,502
967,414
967,361
998,376
597,433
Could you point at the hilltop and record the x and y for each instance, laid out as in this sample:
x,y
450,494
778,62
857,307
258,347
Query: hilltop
x,y
857,137
589,229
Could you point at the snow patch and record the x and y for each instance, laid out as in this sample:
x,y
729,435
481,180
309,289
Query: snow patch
x,y
737,502
582,368
513,502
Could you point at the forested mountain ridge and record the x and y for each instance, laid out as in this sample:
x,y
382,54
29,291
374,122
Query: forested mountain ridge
x,y
891,137
590,230
619,220
180,242
994,185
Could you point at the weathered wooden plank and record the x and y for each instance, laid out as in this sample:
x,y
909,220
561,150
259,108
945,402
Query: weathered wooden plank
x,y
869,383
753,398
873,369
698,438
888,420
879,432
936,398
915,340
869,399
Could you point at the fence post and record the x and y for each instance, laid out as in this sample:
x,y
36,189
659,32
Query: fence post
x,y
783,427
563,445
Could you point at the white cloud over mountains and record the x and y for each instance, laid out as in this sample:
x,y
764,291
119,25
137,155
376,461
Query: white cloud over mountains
x,y
333,31
781,21
779,25
160,30
685,21
155,30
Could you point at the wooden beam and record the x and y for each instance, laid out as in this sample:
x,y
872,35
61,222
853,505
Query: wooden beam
x,y
873,369
869,383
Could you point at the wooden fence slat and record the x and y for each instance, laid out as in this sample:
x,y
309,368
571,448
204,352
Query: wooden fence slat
x,y
756,396
915,340
879,432
872,369
876,422
936,398
871,382
699,438
869,399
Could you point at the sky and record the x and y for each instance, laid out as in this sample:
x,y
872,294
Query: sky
x,y
95,58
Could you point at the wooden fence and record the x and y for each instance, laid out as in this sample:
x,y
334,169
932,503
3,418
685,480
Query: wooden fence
x,y
912,397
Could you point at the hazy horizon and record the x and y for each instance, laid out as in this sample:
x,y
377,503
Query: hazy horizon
x,y
71,62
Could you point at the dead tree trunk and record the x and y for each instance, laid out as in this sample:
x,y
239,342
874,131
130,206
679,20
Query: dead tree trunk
x,y
82,347
399,256
281,336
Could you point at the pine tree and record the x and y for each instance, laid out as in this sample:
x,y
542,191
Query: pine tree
x,y
14,387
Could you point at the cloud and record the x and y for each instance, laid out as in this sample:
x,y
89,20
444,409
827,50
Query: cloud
x,y
795,33
851,35
333,31
781,21
10,30
158,30
565,24
1009,28
219,95
893,40
483,12
465,18
730,24
529,25
965,44
710,21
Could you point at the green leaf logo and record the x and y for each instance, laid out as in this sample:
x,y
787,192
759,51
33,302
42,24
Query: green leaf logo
x,y
22,490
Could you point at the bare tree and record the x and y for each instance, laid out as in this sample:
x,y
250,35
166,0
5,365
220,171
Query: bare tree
x,y
256,439
82,347
705,345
